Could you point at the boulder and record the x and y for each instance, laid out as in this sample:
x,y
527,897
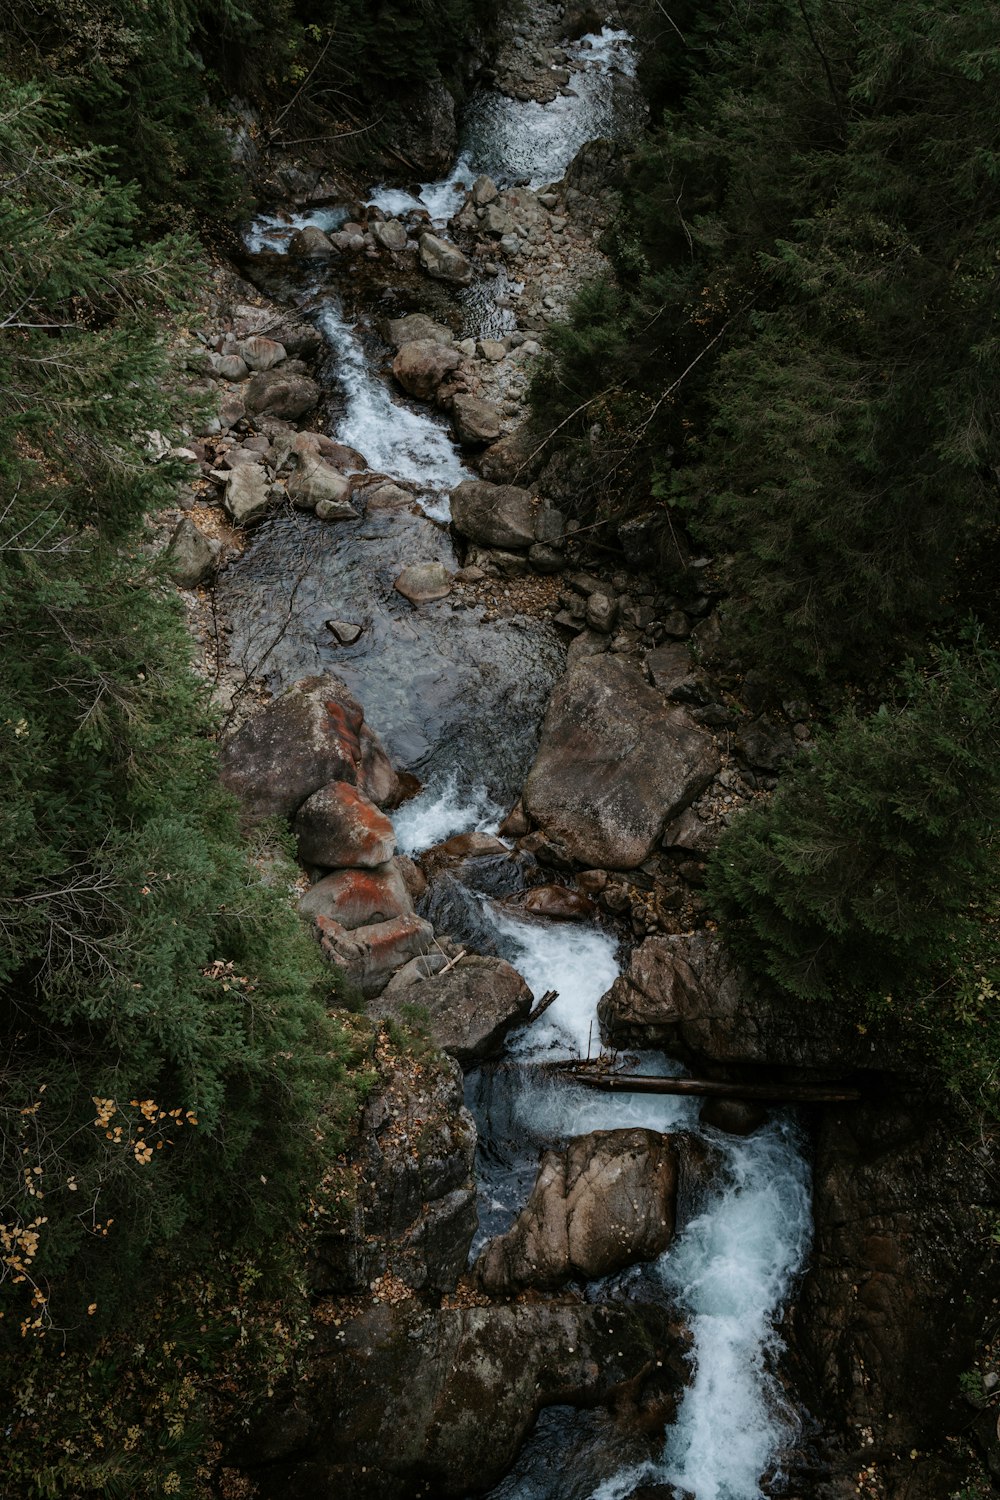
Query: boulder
x,y
417,328
601,613
370,955
615,764
497,220
469,1009
484,190
248,494
421,366
582,20
766,746
605,1202
493,515
559,903
390,235
457,849
514,457
476,421
261,353
671,670
278,393
423,582
337,827
313,734
228,367
310,243
191,556
314,481
443,261
359,898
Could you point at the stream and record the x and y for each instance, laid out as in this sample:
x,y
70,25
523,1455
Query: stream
x,y
458,700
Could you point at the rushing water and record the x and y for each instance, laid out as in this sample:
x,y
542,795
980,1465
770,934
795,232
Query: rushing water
x,y
459,699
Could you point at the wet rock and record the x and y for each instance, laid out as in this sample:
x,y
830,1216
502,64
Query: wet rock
x,y
734,1116
261,353
421,366
603,1203
191,556
313,734
387,497
421,583
369,956
615,764
359,898
515,824
277,393
412,1212
406,1399
443,261
469,1009
582,20
338,827
391,235
459,848
311,244
314,481
248,494
343,632
476,421
494,515
417,328
559,903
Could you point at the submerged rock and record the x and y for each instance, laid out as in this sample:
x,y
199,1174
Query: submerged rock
x,y
615,764
605,1202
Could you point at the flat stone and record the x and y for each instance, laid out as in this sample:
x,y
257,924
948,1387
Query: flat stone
x,y
343,632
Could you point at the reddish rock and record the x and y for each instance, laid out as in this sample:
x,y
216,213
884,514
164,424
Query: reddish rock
x,y
359,898
559,903
370,955
337,827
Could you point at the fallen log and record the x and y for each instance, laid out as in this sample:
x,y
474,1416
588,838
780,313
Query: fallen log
x,y
775,1093
547,999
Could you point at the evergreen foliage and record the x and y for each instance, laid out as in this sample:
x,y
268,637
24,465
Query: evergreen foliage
x,y
869,881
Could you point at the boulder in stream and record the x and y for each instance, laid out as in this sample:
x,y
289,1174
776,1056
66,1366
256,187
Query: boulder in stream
x,y
476,421
311,735
494,515
422,583
421,366
390,235
603,1203
359,898
337,828
370,955
469,1008
615,764
315,481
444,261
559,903
311,243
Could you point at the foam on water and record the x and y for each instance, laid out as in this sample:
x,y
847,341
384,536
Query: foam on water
x,y
443,809
273,231
408,444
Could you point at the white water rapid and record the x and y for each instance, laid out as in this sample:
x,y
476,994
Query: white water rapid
x,y
734,1262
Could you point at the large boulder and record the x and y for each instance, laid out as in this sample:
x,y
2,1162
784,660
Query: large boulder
x,y
616,763
313,734
412,1211
421,366
370,955
494,515
359,898
279,393
476,421
337,828
310,243
444,261
417,328
261,353
603,1203
469,1009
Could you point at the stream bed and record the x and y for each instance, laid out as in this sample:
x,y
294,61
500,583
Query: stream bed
x,y
458,700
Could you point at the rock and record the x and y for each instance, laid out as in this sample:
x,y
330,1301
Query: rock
x,y
425,128
277,393
421,366
469,1009
412,1212
497,220
582,20
418,328
484,190
315,480
443,261
261,353
335,510
734,1116
766,746
457,849
603,1203
337,827
492,350
228,367
359,898
248,494
514,457
423,582
191,556
494,515
515,824
615,765
602,613
370,955
310,243
343,632
545,559
588,643
313,734
559,903
476,421
347,460
389,236
689,833
671,670
550,526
